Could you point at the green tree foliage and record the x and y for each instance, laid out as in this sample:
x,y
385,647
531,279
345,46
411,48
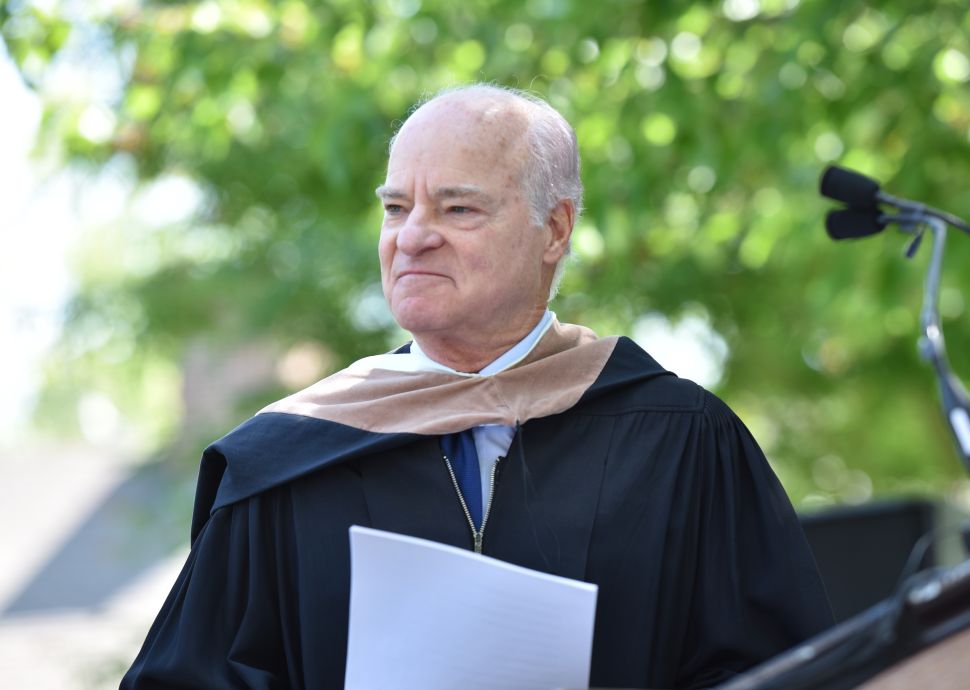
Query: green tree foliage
x,y
703,127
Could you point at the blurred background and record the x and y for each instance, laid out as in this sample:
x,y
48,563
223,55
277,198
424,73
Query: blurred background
x,y
189,232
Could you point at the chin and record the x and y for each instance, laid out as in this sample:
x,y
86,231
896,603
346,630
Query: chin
x,y
419,318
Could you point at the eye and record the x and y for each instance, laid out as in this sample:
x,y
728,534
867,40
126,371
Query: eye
x,y
459,210
393,209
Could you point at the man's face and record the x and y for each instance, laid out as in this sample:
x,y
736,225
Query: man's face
x,y
459,256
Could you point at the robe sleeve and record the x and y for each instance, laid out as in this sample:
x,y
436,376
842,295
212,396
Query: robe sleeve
x,y
220,626
757,591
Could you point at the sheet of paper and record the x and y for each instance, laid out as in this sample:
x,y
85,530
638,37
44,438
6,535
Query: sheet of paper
x,y
432,617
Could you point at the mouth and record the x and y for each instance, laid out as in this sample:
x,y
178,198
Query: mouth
x,y
420,274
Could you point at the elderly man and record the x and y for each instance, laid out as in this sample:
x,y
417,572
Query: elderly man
x,y
497,429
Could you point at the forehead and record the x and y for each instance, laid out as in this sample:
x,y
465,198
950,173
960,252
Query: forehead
x,y
454,140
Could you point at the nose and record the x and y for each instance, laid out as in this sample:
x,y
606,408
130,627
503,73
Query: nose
x,y
419,233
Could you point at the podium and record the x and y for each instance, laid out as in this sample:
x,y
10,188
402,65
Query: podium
x,y
918,638
944,666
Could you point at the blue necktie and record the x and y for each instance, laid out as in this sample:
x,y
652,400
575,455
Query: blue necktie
x,y
460,450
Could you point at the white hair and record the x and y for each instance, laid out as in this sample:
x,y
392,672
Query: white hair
x,y
551,171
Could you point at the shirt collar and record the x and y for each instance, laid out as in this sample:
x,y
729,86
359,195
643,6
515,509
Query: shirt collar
x,y
510,358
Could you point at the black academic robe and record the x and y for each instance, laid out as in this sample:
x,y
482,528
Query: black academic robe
x,y
646,484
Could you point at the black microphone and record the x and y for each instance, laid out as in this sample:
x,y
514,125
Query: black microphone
x,y
864,194
849,187
853,223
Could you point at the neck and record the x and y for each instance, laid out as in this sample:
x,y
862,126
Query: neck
x,y
472,354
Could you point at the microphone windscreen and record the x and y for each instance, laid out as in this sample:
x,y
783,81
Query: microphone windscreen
x,y
848,186
851,223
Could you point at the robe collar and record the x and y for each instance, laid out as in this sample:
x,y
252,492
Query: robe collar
x,y
387,394
369,408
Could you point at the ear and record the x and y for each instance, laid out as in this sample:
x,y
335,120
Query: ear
x,y
559,224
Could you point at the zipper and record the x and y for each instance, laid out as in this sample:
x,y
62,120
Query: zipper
x,y
477,534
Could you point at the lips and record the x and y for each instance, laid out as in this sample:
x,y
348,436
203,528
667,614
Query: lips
x,y
420,274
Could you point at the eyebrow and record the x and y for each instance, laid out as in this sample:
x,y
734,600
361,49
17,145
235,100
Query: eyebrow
x,y
385,192
451,192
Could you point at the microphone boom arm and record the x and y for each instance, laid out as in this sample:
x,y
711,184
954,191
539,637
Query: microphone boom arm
x,y
953,395
921,211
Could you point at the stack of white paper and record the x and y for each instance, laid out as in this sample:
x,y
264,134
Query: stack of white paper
x,y
428,616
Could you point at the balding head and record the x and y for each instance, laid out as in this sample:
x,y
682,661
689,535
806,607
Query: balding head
x,y
476,107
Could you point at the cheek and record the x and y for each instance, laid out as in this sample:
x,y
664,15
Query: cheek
x,y
479,263
482,269
385,249
385,255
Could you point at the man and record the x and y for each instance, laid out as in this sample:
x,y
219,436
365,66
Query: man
x,y
497,429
